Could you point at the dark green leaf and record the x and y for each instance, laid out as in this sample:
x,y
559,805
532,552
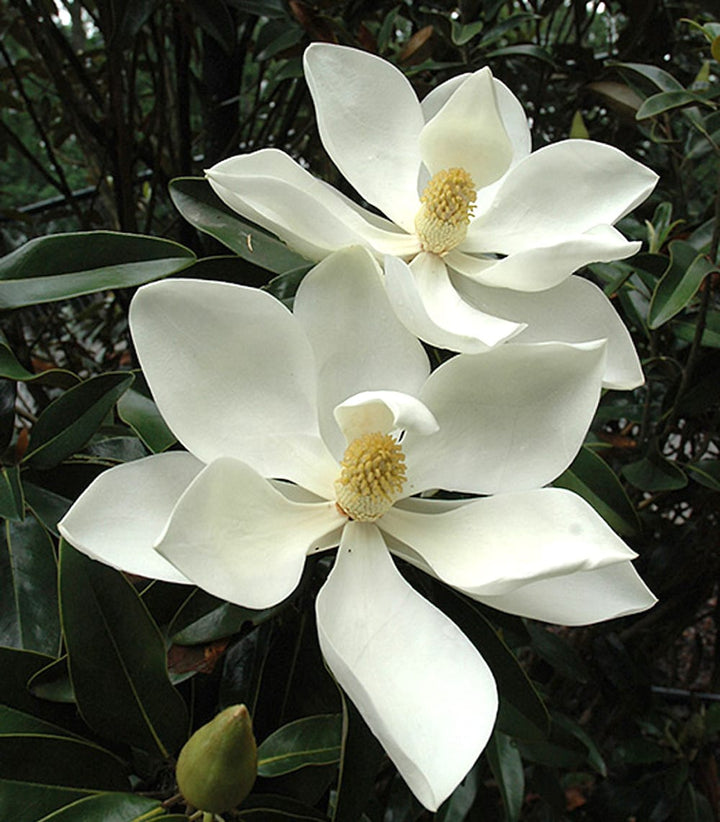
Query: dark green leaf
x,y
117,658
17,668
11,369
461,800
30,802
47,506
214,18
13,721
679,284
558,653
61,266
655,473
70,420
667,100
60,760
201,207
131,17
261,808
594,757
711,333
507,768
28,588
142,415
593,479
522,50
12,503
706,472
8,398
230,269
661,78
464,33
314,740
53,682
285,286
111,807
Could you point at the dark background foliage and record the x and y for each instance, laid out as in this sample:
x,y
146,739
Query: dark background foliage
x,y
103,103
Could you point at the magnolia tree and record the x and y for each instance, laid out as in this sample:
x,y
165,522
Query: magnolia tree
x,y
337,503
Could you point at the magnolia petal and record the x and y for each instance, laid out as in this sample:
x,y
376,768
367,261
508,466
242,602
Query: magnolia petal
x,y
355,350
580,598
429,305
542,267
511,419
238,538
574,311
497,544
559,192
418,682
271,189
233,375
371,137
383,412
118,517
468,133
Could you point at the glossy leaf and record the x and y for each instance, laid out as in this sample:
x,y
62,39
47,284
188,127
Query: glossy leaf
x,y
313,740
507,768
11,369
679,284
61,266
593,479
711,333
53,682
204,618
706,472
117,658
655,473
12,504
142,415
17,668
30,802
60,760
201,207
110,807
668,100
69,421
558,652
48,507
28,588
659,77
457,806
276,808
13,721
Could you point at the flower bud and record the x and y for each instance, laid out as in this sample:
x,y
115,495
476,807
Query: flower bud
x,y
218,764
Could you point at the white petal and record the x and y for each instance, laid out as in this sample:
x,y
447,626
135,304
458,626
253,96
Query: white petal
x,y
560,191
499,543
358,342
369,121
418,682
510,419
468,133
383,412
574,311
235,536
428,305
271,189
536,269
581,598
233,375
118,517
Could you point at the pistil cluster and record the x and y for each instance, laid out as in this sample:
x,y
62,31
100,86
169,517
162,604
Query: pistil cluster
x,y
447,204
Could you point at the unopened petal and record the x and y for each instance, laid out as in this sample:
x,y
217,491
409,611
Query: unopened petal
x,y
120,515
369,121
420,685
429,305
510,419
238,538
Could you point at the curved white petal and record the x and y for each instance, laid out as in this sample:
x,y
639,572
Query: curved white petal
x,y
510,419
496,544
358,342
235,536
369,121
118,517
574,311
271,189
383,412
418,682
559,192
233,375
545,266
429,305
580,598
468,133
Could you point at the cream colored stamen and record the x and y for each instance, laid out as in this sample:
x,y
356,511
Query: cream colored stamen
x,y
372,477
447,204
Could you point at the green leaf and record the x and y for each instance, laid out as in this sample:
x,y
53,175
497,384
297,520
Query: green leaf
x,y
201,207
457,806
595,481
28,588
203,618
507,768
464,33
659,77
17,668
706,472
679,284
61,266
711,333
70,421
142,415
60,760
11,369
558,653
111,807
12,502
314,740
522,50
47,506
30,802
117,658
594,757
262,808
668,100
53,682
655,473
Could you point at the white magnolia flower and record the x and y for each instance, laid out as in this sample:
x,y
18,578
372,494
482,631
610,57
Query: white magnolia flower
x,y
478,217
309,430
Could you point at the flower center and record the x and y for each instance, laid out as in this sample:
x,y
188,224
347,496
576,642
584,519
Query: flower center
x,y
447,204
372,477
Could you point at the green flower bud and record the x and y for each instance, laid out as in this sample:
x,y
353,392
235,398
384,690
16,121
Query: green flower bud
x,y
218,764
